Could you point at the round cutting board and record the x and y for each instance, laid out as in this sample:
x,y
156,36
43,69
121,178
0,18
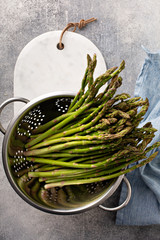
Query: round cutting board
x,y
42,68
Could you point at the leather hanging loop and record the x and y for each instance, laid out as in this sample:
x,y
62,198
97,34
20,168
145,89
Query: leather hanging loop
x,y
80,25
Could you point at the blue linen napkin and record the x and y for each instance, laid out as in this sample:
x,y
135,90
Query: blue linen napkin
x,y
144,206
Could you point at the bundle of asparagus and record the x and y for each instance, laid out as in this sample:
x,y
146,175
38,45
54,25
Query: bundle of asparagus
x,y
97,139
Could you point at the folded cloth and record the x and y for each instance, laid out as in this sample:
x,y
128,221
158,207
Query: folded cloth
x,y
144,206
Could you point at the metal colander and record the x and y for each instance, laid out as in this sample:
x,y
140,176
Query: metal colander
x,y
64,200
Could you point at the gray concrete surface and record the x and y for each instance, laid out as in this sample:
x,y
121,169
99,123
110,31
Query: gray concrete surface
x,y
121,28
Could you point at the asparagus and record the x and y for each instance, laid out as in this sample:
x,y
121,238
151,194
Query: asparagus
x,y
97,139
84,83
51,123
96,88
89,80
58,126
61,175
68,139
99,179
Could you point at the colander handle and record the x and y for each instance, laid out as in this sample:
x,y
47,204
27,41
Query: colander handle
x,y
125,202
5,103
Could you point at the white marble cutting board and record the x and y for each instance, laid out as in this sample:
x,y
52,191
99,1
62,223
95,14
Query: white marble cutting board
x,y
42,68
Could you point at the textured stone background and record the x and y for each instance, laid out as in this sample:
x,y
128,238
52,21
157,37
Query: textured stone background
x,y
121,28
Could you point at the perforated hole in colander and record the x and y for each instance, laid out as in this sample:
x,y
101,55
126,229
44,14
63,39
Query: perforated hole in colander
x,y
62,104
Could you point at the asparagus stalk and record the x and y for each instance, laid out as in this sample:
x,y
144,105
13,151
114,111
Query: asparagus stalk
x,y
68,139
83,85
58,126
89,80
99,179
51,123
